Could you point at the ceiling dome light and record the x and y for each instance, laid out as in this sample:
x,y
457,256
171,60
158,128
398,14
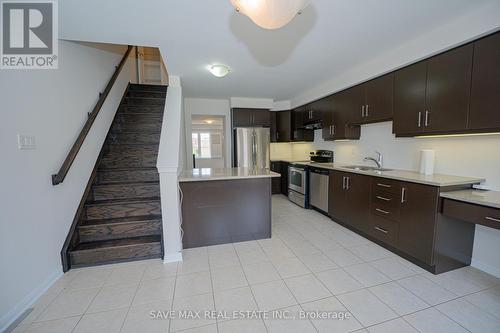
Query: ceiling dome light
x,y
219,70
270,14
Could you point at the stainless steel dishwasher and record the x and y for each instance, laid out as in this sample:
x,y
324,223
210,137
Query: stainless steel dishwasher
x,y
318,188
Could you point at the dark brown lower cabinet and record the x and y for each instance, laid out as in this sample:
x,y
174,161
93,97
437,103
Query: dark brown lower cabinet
x,y
276,181
417,220
284,177
349,199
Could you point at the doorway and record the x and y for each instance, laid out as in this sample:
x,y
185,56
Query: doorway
x,y
207,138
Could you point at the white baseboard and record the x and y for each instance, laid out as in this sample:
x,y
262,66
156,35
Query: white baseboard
x,y
486,268
172,257
28,301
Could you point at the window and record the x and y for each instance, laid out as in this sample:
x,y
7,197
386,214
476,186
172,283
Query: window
x,y
201,145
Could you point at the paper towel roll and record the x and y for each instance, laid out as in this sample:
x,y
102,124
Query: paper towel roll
x,y
427,161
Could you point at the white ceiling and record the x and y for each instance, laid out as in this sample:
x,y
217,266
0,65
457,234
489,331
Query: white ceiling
x,y
328,39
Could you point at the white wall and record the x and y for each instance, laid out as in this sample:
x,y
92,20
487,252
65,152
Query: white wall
x,y
204,106
476,156
35,216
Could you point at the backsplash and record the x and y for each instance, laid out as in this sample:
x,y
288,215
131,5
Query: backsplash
x,y
291,151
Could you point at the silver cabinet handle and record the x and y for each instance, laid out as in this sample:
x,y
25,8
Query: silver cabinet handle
x,y
426,123
333,129
383,198
419,122
362,111
384,185
366,110
343,183
403,195
381,211
381,230
347,185
492,219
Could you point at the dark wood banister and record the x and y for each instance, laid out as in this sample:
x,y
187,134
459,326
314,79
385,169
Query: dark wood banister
x,y
61,174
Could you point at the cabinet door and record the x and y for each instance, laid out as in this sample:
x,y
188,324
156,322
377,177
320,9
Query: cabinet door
x,y
379,99
358,202
345,112
409,99
485,94
337,196
327,126
417,220
284,177
274,130
242,117
448,90
283,126
354,103
261,118
276,182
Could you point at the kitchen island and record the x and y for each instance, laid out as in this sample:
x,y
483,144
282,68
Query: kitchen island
x,y
225,205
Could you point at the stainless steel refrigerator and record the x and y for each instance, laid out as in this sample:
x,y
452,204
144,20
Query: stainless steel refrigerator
x,y
252,147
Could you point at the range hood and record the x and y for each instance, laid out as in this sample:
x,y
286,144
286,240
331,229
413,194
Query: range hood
x,y
313,125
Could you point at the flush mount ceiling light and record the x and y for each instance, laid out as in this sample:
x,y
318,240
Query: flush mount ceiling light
x,y
219,70
270,14
209,121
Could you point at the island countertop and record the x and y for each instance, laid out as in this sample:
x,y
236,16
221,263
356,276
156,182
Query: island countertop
x,y
208,174
479,197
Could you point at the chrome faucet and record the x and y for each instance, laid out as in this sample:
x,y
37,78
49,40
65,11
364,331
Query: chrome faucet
x,y
379,160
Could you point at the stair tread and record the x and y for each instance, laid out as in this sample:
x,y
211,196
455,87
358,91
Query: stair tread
x,y
89,246
116,220
131,183
121,201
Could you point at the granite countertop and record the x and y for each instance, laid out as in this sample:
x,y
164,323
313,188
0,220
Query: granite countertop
x,y
479,197
207,174
403,175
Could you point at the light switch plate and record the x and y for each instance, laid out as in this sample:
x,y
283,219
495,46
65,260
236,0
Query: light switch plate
x,y
26,142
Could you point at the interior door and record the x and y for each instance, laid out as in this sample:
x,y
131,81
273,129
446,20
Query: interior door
x,y
448,90
485,94
409,99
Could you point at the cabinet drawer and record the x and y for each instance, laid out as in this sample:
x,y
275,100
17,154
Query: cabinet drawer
x,y
385,199
384,211
386,185
477,214
384,230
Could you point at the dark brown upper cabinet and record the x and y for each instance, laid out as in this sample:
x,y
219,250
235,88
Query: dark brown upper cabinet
x,y
243,117
283,126
448,91
432,96
298,132
485,94
344,107
274,131
379,99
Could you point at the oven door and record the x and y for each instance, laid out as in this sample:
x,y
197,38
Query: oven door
x,y
297,179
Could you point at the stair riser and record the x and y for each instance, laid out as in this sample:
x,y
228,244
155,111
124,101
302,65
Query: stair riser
x,y
119,230
147,94
141,109
147,87
143,101
136,127
105,177
116,210
107,255
134,138
117,161
126,191
138,118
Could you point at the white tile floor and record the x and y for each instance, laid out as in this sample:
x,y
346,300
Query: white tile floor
x,y
310,264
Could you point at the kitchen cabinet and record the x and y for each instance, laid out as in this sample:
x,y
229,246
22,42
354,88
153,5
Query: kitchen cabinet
x,y
378,99
349,199
283,126
284,177
298,132
338,123
276,182
432,96
313,112
243,117
274,131
417,220
484,111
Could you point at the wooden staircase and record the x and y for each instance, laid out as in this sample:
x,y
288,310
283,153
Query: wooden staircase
x,y
120,216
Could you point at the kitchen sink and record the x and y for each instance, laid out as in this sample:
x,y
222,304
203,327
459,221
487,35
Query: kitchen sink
x,y
366,168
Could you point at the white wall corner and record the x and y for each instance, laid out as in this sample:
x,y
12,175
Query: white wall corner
x,y
254,103
174,81
281,106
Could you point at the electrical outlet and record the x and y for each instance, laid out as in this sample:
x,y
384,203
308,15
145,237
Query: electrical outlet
x,y
26,142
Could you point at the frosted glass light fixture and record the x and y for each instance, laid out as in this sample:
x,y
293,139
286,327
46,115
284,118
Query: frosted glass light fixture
x,y
219,70
270,14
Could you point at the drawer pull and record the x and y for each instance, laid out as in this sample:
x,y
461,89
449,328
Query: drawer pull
x,y
381,230
492,219
382,198
381,211
384,185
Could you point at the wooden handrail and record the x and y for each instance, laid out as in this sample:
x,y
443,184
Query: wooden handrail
x,y
61,174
